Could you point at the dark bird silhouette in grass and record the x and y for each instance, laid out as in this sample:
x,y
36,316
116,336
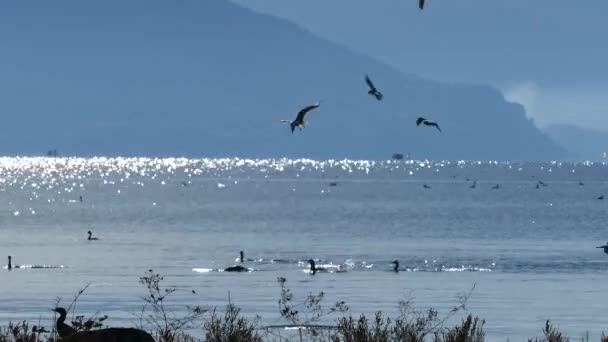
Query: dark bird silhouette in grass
x,y
427,123
313,267
373,91
299,120
395,264
91,238
604,247
69,334
421,4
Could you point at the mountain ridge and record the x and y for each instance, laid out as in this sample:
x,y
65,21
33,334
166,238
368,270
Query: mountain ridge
x,y
214,79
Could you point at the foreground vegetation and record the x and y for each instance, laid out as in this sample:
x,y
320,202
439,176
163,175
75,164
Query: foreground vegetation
x,y
303,322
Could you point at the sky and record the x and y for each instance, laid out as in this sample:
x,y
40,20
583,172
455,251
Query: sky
x,y
549,55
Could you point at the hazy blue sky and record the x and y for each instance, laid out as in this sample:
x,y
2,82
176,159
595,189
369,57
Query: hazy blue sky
x,y
550,55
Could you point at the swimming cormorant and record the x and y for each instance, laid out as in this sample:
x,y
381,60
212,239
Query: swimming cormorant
x,y
236,268
91,236
373,91
299,121
427,123
601,197
313,267
396,265
497,186
10,265
605,247
426,186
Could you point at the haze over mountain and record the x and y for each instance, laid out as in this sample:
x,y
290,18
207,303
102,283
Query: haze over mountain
x,y
581,143
209,78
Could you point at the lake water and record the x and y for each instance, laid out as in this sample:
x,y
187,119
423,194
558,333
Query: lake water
x,y
529,251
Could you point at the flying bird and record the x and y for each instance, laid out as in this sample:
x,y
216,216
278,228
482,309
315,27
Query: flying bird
x,y
373,91
299,121
427,123
421,4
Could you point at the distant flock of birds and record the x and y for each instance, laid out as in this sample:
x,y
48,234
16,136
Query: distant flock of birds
x,y
300,123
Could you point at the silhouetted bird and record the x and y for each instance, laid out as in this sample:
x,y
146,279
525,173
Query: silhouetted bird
x,y
236,268
426,186
397,156
421,4
69,334
333,183
497,186
242,259
396,265
80,198
581,183
299,121
313,267
10,264
91,236
474,185
427,123
601,197
372,89
605,247
63,329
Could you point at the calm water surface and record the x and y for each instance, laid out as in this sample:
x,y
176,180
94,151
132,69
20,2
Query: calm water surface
x,y
529,251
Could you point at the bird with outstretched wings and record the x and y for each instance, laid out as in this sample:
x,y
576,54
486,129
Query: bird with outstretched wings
x,y
426,122
299,120
373,91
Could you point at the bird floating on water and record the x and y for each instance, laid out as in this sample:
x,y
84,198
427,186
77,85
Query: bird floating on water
x,y
497,186
237,268
313,267
299,120
396,265
397,156
601,197
426,186
474,185
91,236
373,91
427,123
605,247
10,265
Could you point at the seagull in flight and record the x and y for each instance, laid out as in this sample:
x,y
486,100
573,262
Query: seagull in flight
x,y
372,89
427,123
299,121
